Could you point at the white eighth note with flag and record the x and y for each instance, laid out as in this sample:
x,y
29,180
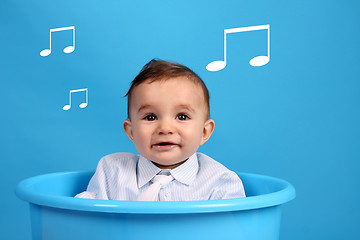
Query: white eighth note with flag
x,y
68,49
82,105
256,61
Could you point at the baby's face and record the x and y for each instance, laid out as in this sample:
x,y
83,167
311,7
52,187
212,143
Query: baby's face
x,y
168,121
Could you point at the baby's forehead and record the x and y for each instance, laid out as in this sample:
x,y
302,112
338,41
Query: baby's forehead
x,y
185,87
182,84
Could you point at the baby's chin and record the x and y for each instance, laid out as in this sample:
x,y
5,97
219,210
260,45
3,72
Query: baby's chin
x,y
168,166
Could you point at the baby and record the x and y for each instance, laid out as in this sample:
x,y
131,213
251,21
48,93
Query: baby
x,y
168,119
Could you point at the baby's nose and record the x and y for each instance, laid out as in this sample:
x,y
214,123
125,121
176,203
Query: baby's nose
x,y
165,127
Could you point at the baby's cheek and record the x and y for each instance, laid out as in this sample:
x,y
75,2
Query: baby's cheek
x,y
190,132
194,136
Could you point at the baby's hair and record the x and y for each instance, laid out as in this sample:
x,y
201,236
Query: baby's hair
x,y
160,70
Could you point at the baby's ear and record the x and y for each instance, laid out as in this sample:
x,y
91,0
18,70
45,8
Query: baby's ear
x,y
128,129
209,127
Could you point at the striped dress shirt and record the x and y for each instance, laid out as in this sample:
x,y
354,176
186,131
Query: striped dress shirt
x,y
123,176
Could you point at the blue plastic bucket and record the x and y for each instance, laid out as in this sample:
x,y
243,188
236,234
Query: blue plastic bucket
x,y
57,215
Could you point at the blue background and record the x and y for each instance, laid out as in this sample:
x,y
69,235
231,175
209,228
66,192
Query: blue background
x,y
296,118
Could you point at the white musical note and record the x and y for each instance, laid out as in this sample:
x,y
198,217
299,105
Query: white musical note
x,y
255,62
82,105
68,49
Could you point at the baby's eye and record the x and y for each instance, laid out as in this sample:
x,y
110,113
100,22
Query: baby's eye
x,y
182,117
150,117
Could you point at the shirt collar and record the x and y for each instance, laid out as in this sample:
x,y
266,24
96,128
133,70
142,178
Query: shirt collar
x,y
185,173
146,171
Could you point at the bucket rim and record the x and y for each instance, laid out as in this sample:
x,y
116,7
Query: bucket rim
x,y
24,191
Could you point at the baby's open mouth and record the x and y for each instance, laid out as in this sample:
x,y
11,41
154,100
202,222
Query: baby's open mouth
x,y
164,143
164,146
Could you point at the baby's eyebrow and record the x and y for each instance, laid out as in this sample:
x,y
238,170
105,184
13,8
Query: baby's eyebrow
x,y
185,106
143,107
180,107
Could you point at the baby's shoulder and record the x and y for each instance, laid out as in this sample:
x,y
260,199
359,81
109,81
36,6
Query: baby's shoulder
x,y
119,159
208,162
212,167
